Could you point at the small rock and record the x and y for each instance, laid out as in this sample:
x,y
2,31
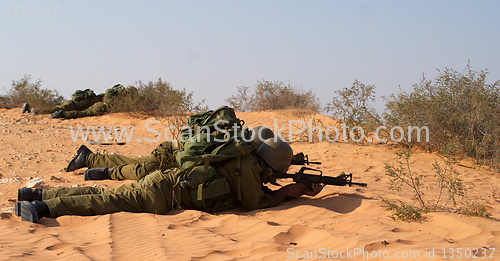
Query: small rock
x,y
7,210
35,183
9,180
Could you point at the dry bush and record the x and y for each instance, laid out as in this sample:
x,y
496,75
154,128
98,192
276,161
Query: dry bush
x,y
308,128
169,106
157,97
276,95
461,111
350,105
24,90
447,191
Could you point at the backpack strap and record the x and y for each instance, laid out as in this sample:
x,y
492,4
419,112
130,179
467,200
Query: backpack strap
x,y
238,168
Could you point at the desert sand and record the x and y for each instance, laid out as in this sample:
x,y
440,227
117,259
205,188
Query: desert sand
x,y
348,223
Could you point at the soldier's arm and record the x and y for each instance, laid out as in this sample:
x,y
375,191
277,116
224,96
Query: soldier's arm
x,y
293,191
288,191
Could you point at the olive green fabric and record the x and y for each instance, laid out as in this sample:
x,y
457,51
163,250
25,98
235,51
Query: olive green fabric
x,y
81,95
97,109
113,92
153,194
247,185
70,105
125,168
97,160
65,106
157,193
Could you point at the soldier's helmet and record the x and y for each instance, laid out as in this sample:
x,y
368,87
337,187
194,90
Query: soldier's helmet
x,y
277,153
259,134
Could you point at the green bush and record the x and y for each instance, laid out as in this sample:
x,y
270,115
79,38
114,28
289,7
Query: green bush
x,y
273,96
461,111
350,105
158,97
24,90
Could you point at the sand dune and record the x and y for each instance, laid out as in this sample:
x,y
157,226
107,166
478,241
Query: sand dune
x,y
339,222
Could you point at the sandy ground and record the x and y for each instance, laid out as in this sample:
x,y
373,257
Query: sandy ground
x,y
348,223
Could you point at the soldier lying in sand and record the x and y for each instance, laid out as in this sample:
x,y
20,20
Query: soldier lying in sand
x,y
237,182
82,104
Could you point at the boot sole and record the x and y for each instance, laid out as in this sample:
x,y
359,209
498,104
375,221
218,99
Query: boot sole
x,y
21,195
80,150
68,169
28,212
17,208
82,147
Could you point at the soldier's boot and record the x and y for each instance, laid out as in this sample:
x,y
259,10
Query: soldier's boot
x,y
26,194
97,174
80,160
29,194
58,114
25,108
32,211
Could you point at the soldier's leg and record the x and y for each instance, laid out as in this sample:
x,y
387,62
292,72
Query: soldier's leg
x,y
65,106
153,194
74,191
96,109
97,160
161,158
71,191
135,171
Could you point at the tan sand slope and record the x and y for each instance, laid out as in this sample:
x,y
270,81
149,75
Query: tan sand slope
x,y
346,222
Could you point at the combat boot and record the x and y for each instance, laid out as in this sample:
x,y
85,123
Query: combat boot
x,y
26,194
97,174
58,114
32,211
80,160
25,108
29,194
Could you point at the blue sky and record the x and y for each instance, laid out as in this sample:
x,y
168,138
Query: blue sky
x,y
211,47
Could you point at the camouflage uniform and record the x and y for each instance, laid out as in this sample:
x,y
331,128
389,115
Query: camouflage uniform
x,y
97,109
159,192
153,194
122,167
71,106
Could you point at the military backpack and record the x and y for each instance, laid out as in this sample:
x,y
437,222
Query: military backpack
x,y
113,92
216,137
80,95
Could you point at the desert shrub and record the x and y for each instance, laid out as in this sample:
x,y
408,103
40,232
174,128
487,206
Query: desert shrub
x,y
3,100
461,111
350,105
158,97
475,208
446,191
24,90
402,211
168,105
276,95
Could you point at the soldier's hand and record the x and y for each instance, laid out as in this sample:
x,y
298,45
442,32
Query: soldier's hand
x,y
316,188
294,190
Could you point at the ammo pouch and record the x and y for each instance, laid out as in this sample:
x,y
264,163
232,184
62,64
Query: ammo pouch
x,y
209,190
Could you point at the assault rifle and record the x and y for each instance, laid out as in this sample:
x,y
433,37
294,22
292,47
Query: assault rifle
x,y
301,159
308,179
